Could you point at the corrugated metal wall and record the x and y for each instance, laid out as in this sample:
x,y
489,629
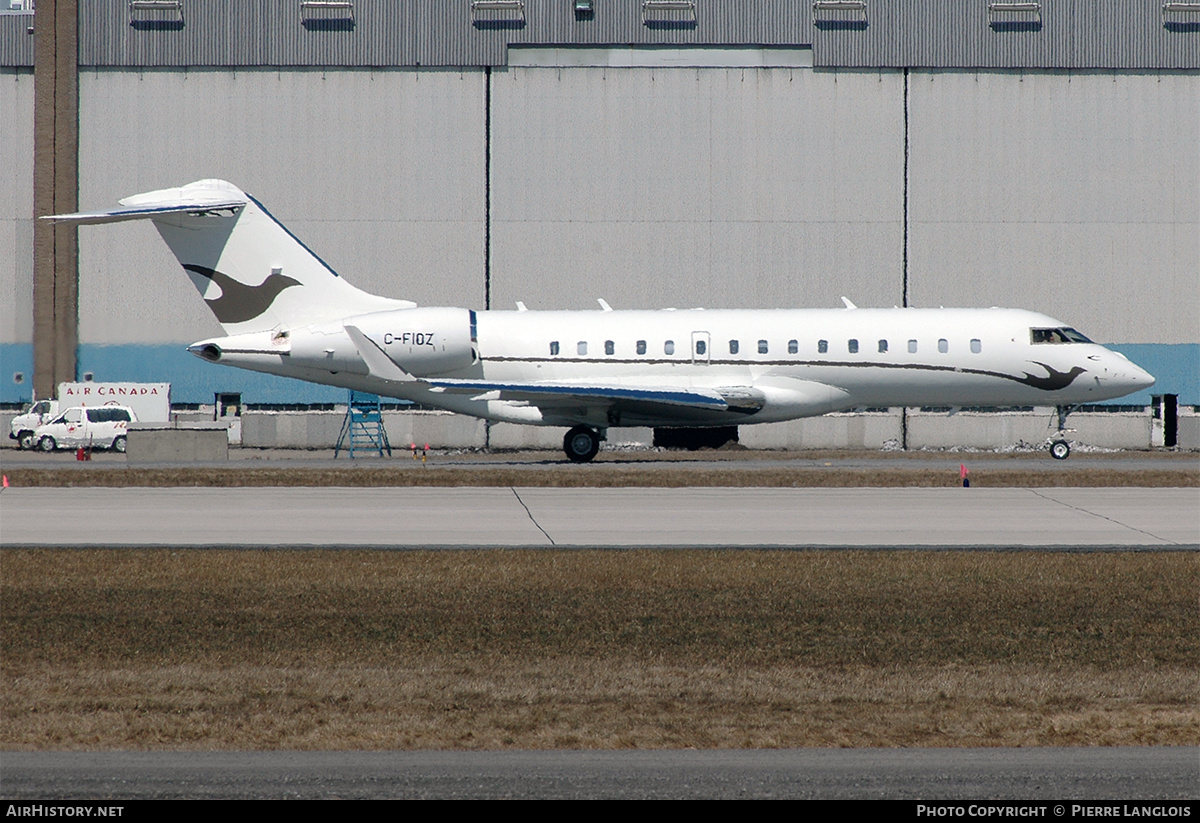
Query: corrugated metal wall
x,y
696,187
1070,34
16,208
16,40
885,33
1078,193
652,187
379,172
410,33
1075,191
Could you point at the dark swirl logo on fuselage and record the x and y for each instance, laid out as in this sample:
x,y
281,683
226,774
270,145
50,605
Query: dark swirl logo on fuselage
x,y
239,302
1054,379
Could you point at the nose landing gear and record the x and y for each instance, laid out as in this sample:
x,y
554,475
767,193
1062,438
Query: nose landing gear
x,y
1060,449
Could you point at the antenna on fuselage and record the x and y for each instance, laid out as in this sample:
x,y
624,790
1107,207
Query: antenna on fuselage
x,y
849,305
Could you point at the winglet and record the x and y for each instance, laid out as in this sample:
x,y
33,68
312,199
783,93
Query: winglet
x,y
378,363
849,305
603,304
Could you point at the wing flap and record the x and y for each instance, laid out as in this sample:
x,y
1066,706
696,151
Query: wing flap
x,y
576,393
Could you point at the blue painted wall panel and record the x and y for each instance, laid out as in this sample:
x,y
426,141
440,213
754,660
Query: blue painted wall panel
x,y
1175,367
14,358
195,381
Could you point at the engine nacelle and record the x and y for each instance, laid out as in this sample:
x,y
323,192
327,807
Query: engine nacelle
x,y
422,341
326,347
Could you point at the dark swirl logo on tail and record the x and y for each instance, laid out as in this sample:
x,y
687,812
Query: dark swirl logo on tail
x,y
1054,380
239,302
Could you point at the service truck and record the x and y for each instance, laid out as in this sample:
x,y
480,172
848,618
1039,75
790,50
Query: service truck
x,y
151,402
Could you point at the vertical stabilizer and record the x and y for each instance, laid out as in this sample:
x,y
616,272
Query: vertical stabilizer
x,y
251,271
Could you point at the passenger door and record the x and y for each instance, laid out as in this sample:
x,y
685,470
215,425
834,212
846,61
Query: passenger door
x,y
73,429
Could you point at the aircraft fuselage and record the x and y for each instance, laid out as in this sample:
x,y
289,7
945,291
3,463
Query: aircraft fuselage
x,y
794,363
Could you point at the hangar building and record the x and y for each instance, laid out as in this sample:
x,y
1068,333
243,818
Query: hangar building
x,y
718,153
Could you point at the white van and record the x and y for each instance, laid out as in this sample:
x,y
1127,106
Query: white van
x,y
23,425
101,427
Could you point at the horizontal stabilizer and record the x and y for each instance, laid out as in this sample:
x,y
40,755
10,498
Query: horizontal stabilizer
x,y
146,212
204,197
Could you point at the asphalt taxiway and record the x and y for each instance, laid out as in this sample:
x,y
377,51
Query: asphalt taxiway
x,y
1047,775
418,517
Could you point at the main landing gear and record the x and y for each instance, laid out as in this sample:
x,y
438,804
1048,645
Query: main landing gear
x,y
581,444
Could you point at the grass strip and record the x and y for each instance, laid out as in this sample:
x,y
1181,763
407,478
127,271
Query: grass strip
x,y
577,649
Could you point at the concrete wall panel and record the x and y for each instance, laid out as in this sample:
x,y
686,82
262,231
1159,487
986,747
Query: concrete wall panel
x,y
441,430
717,187
379,172
1024,430
833,431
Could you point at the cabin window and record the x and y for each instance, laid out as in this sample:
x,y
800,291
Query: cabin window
x,y
700,347
912,346
733,347
883,347
793,346
822,346
553,348
581,347
641,347
762,347
852,345
976,346
943,345
609,348
669,347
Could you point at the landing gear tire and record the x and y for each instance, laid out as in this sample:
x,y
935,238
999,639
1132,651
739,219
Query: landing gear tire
x,y
1060,449
581,444
47,444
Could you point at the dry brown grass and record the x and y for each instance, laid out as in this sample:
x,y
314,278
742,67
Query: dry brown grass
x,y
552,649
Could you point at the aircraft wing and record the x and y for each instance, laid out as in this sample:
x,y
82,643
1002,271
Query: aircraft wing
x,y
633,402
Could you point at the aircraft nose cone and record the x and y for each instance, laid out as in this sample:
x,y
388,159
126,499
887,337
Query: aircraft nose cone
x,y
1133,376
1123,375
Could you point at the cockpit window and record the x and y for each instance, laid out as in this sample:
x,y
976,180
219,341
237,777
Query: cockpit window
x,y
1059,335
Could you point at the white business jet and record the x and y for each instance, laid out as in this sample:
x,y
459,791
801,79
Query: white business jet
x,y
286,312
